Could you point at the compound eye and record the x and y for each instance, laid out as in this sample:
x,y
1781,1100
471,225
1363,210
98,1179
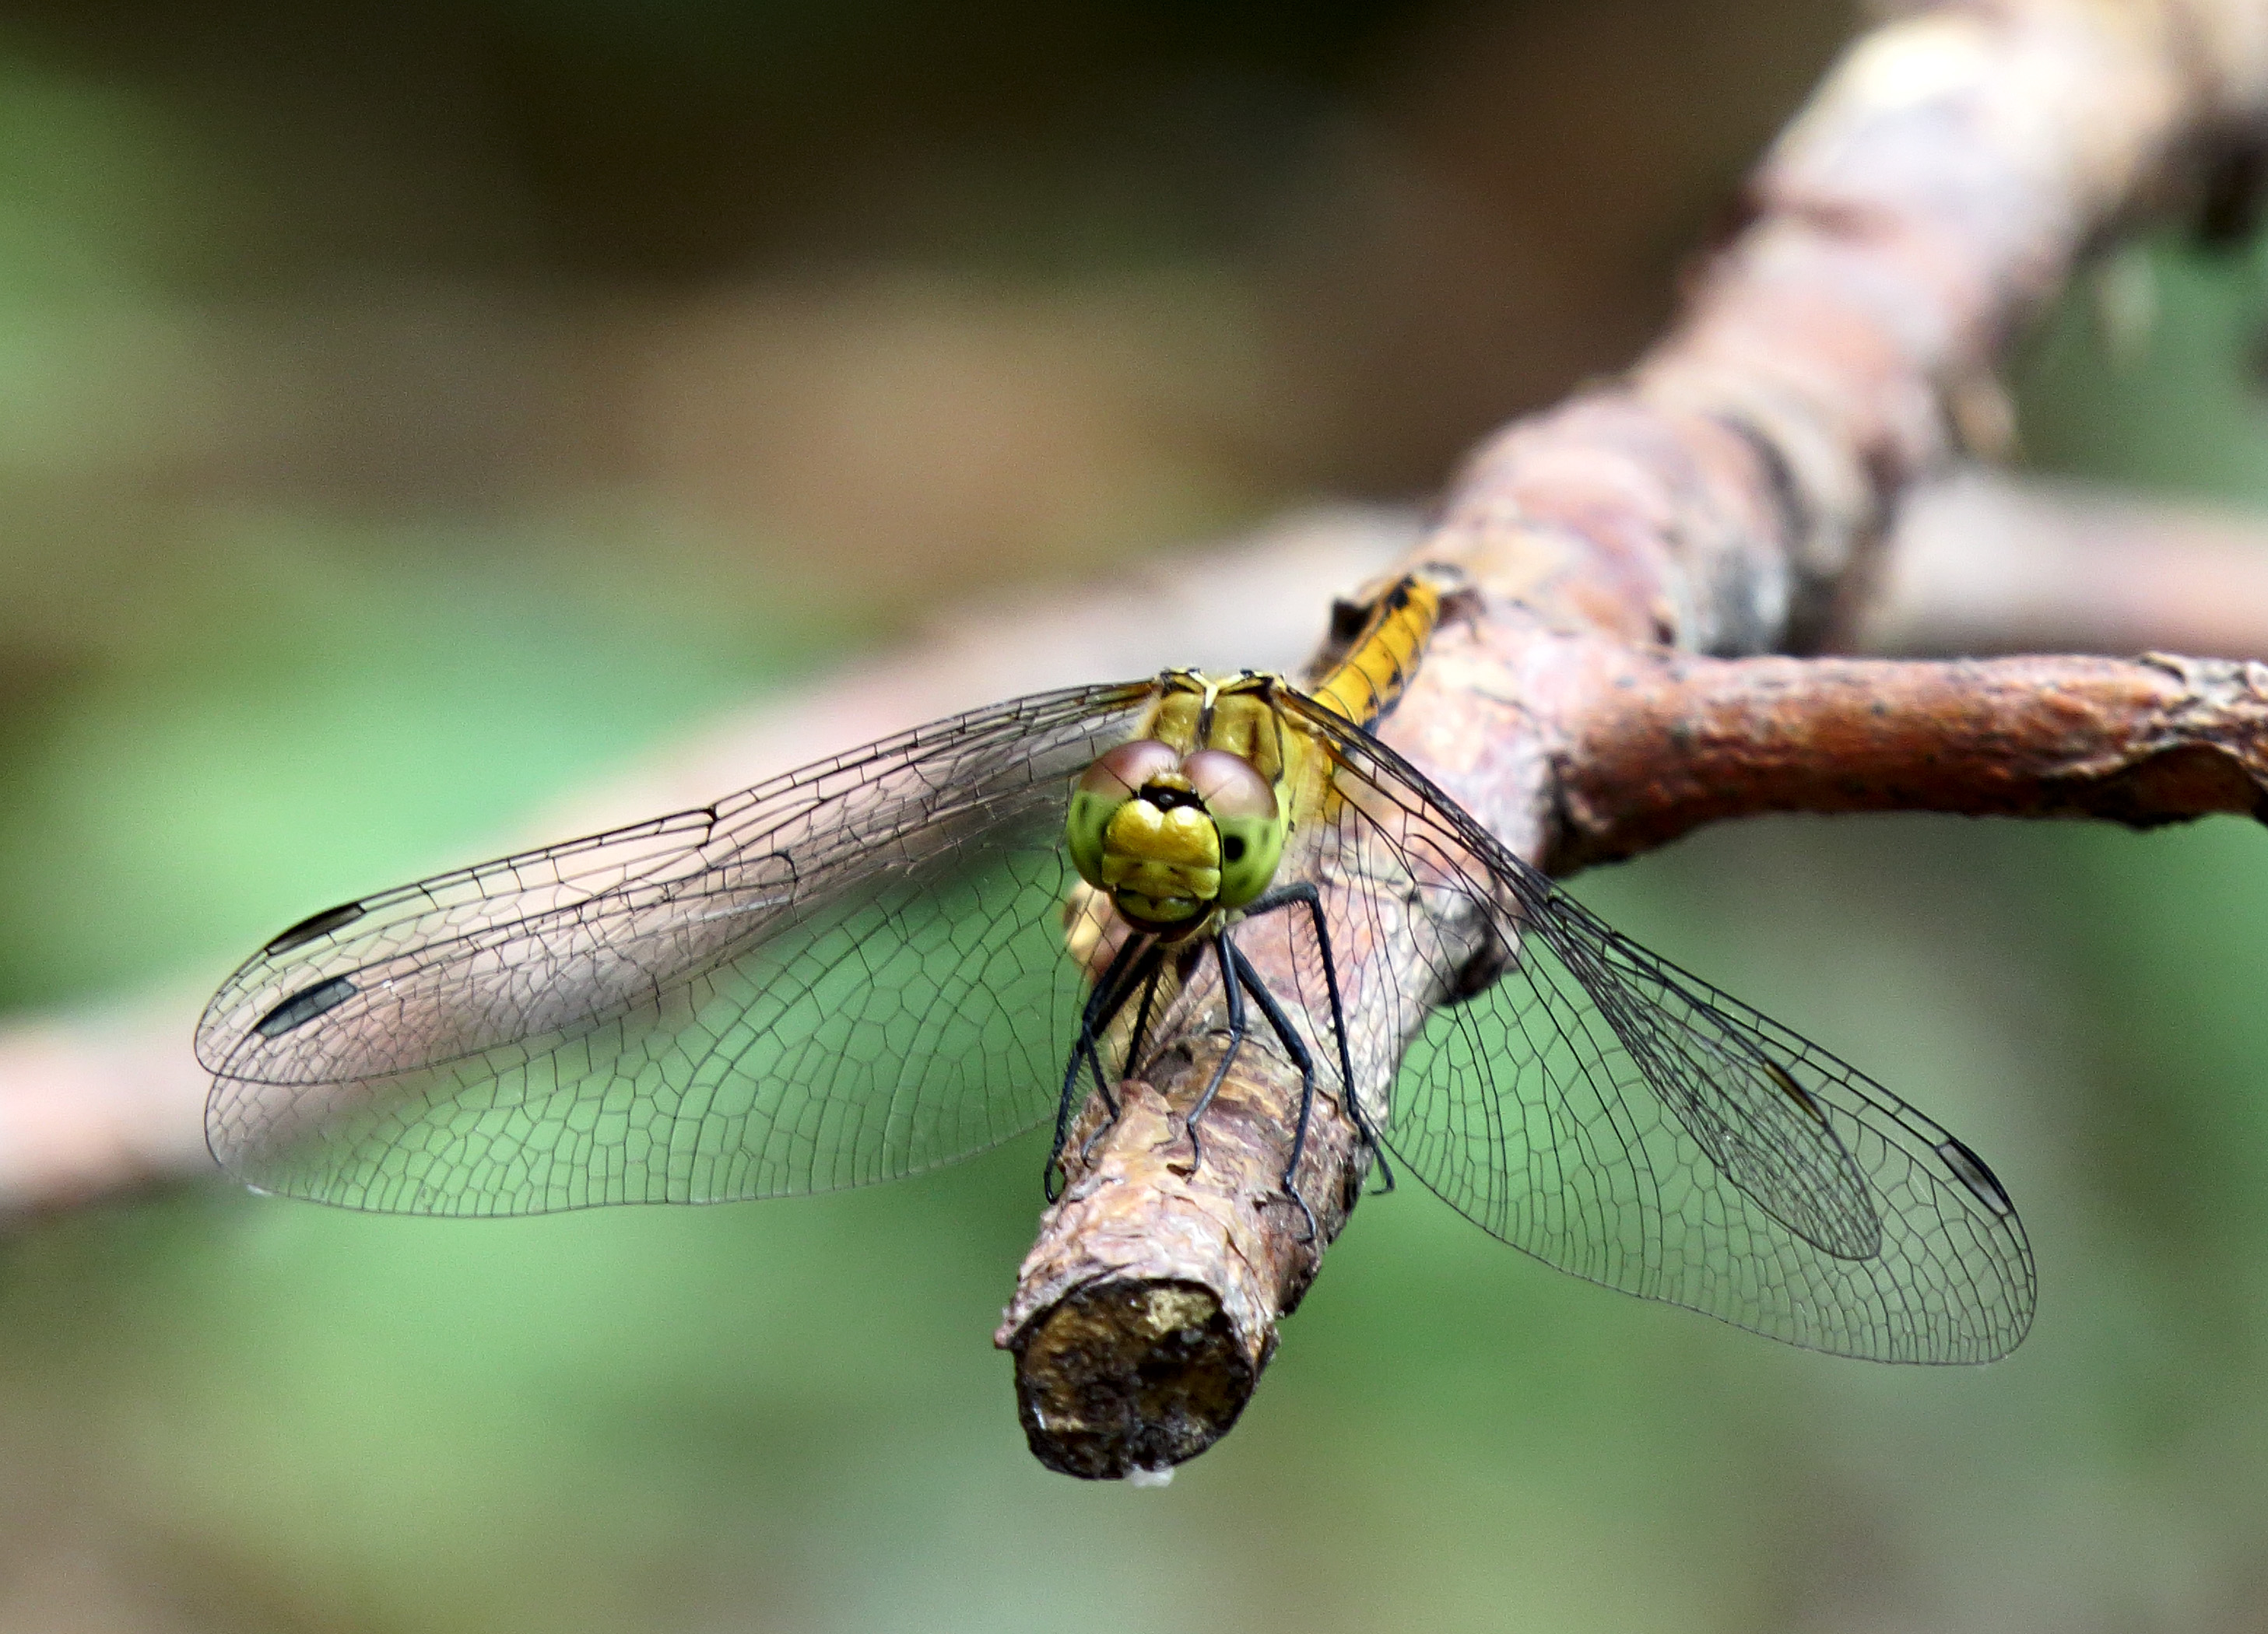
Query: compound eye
x,y
1229,787
1114,779
1242,807
1120,774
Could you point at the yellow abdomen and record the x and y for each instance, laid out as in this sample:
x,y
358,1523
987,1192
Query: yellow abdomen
x,y
1383,658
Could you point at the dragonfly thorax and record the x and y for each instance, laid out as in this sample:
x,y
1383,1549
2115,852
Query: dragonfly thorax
x,y
1173,838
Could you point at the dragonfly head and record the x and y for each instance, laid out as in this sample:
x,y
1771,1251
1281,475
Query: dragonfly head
x,y
1171,838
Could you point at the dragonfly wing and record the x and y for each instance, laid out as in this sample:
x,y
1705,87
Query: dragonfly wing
x,y
849,973
1619,1118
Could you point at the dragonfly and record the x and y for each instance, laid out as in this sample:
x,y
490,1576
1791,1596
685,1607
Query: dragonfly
x,y
905,955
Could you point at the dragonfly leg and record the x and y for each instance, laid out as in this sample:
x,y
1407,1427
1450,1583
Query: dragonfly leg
x,y
1136,960
1294,1046
1304,894
1233,993
1155,966
1142,1015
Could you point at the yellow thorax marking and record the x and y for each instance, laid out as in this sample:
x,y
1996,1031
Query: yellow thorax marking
x,y
1231,712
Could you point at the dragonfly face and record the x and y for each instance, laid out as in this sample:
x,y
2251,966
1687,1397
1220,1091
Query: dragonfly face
x,y
1184,823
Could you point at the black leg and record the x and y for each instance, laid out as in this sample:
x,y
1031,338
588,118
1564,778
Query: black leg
x,y
1135,962
1305,893
1142,1015
1296,1047
1151,969
1233,993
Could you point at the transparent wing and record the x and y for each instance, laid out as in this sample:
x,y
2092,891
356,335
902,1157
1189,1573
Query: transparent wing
x,y
847,973
1614,1116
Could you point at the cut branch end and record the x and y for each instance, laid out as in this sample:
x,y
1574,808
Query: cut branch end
x,y
1147,1309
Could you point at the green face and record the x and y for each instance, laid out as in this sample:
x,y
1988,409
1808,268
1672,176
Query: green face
x,y
1172,838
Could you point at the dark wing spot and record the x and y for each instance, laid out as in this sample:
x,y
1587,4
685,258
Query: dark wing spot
x,y
314,925
304,1006
1795,1092
1490,961
1969,1170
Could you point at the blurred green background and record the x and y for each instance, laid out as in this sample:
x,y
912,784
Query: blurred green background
x,y
407,413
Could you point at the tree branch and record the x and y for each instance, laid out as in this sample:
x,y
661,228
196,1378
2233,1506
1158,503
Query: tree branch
x,y
1985,562
1677,742
1721,500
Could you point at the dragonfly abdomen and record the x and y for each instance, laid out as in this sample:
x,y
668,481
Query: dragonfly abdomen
x,y
1383,657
